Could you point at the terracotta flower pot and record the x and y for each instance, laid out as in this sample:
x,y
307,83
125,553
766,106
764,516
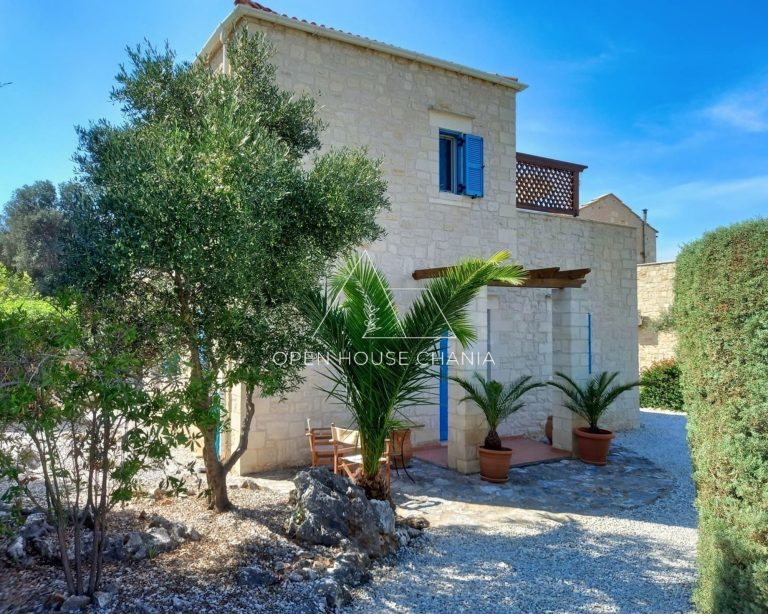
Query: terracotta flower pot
x,y
593,447
494,464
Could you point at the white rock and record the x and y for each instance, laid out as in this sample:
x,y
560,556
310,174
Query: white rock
x,y
16,551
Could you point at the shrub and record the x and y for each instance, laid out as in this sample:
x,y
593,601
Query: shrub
x,y
71,403
660,386
721,316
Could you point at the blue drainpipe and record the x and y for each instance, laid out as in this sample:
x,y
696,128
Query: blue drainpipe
x,y
589,342
217,409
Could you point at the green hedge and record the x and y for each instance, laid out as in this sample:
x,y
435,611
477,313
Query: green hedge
x,y
721,317
660,386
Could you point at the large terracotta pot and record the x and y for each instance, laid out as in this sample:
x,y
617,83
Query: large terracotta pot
x,y
494,464
593,447
402,449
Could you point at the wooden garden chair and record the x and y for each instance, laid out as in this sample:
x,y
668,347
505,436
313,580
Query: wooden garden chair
x,y
347,454
320,445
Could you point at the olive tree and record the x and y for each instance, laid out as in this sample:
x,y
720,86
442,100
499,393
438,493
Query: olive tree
x,y
210,213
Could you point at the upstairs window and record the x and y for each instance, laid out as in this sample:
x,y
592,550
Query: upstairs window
x,y
461,163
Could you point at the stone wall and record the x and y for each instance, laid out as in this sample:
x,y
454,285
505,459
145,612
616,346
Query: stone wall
x,y
395,107
655,295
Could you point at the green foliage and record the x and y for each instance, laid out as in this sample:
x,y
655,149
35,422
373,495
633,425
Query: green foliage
x,y
721,313
72,400
664,322
31,229
497,401
209,216
398,371
660,386
593,399
32,329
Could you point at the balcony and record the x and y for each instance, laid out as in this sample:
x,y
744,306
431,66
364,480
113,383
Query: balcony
x,y
548,185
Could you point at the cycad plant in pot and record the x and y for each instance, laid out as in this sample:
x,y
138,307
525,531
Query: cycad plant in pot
x,y
591,401
497,402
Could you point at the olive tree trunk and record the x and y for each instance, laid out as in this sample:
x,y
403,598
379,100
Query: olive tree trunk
x,y
216,469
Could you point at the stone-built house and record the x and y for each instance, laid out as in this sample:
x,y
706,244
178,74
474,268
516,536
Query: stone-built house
x,y
458,187
655,280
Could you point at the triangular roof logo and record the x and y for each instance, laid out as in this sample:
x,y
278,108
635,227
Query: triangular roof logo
x,y
364,255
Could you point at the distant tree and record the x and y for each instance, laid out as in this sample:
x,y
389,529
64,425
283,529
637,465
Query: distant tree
x,y
209,221
30,231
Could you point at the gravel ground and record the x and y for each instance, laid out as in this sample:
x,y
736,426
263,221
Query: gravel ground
x,y
639,560
197,576
484,559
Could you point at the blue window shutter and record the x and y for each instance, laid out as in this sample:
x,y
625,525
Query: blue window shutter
x,y
473,165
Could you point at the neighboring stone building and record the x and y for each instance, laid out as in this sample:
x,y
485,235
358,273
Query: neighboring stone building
x,y
420,114
610,208
655,295
655,280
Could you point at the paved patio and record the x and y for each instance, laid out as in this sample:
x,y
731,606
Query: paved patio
x,y
564,486
559,536
525,451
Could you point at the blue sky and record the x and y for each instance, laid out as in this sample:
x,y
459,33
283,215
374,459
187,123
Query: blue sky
x,y
666,102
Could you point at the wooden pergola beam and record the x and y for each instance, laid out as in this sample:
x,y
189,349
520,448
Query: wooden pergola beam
x,y
542,273
545,283
576,273
551,277
429,273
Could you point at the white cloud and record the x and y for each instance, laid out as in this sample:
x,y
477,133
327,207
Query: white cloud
x,y
745,109
730,194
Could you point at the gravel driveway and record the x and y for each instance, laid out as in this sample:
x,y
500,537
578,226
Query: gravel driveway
x,y
507,560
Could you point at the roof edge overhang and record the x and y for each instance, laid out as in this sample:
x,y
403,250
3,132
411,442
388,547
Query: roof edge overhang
x,y
241,11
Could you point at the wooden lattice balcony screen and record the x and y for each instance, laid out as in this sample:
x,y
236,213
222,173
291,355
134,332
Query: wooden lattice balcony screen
x,y
544,184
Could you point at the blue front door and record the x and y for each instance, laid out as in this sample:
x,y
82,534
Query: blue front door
x,y
444,388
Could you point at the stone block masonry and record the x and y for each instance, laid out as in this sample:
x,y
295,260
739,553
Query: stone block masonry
x,y
655,295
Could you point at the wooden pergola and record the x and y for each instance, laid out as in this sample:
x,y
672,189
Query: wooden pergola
x,y
552,277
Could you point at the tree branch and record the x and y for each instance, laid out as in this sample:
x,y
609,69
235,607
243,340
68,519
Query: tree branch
x,y
245,428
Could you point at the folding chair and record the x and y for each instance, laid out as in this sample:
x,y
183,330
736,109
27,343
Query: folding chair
x,y
320,445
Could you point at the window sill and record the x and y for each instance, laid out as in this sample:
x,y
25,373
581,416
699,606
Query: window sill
x,y
456,200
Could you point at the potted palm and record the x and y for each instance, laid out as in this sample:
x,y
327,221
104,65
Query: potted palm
x,y
497,402
591,401
357,317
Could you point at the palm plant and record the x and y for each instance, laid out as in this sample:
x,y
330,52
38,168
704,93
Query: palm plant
x,y
497,401
381,360
593,399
